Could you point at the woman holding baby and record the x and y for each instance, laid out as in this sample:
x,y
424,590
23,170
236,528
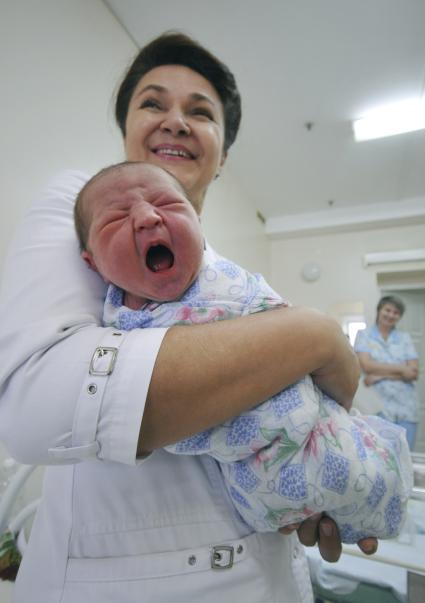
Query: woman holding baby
x,y
122,520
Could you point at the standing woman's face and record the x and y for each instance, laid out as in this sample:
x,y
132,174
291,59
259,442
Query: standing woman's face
x,y
388,316
175,120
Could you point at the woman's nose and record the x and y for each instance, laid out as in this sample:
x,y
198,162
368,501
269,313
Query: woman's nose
x,y
175,123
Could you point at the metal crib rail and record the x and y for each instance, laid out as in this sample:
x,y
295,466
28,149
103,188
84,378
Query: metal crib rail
x,y
11,493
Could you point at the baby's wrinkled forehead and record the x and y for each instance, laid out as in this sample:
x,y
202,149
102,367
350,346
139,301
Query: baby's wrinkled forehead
x,y
120,179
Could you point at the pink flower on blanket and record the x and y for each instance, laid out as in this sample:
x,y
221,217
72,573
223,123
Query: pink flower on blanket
x,y
325,431
369,441
262,454
331,427
199,315
311,447
265,454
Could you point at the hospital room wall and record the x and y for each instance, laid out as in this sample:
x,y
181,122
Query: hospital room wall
x,y
345,284
61,62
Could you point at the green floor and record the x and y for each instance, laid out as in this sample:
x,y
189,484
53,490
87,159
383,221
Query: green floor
x,y
364,593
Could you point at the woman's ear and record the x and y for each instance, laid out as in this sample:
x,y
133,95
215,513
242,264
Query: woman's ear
x,y
222,162
89,260
223,158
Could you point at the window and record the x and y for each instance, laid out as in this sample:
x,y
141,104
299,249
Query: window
x,y
351,325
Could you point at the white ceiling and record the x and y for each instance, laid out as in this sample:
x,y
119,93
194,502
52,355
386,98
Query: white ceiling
x,y
324,62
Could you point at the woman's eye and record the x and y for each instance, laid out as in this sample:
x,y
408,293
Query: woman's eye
x,y
203,112
150,103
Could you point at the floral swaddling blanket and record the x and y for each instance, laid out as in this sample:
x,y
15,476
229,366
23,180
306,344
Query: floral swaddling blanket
x,y
299,452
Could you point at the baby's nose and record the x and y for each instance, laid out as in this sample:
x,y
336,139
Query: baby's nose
x,y
146,216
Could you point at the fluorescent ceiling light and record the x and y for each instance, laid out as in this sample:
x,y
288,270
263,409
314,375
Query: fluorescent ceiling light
x,y
399,118
388,257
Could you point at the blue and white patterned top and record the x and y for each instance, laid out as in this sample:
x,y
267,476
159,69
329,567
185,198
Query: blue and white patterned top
x,y
400,398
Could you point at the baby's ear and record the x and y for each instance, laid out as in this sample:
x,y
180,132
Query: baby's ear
x,y
88,258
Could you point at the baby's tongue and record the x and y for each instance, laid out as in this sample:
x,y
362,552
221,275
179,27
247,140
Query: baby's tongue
x,y
159,258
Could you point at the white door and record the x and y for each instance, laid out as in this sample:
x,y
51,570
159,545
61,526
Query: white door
x,y
413,322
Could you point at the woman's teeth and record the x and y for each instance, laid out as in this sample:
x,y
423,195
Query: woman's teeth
x,y
174,152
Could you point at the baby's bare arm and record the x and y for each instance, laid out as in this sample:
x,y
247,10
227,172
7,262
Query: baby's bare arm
x,y
207,374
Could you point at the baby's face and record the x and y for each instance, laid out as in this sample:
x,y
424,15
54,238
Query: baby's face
x,y
144,234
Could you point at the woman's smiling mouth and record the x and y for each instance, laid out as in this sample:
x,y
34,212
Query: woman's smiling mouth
x,y
173,151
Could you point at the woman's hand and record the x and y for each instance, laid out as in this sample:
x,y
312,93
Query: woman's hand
x,y
405,372
371,379
410,372
324,531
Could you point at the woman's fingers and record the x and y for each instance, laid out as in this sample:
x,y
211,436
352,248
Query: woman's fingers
x,y
324,531
368,546
290,528
330,545
308,532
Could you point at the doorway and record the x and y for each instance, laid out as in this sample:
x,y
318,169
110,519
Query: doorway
x,y
413,321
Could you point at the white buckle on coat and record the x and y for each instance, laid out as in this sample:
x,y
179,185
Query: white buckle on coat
x,y
103,361
222,557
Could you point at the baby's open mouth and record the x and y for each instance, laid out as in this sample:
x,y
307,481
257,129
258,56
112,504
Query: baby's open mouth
x,y
159,258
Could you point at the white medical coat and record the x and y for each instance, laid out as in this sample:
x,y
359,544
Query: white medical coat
x,y
110,528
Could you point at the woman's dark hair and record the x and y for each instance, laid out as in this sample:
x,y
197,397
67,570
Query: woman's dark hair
x,y
390,299
175,48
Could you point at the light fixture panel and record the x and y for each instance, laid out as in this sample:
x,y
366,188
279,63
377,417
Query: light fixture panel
x,y
398,118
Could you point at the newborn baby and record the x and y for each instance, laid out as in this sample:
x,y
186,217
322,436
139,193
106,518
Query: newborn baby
x,y
297,453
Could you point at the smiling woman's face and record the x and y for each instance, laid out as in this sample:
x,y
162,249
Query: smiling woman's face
x,y
388,316
175,120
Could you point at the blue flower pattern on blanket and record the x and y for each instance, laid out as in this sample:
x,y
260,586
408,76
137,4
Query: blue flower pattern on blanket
x,y
377,492
245,477
393,514
201,442
238,498
299,452
243,430
335,476
286,401
293,483
357,439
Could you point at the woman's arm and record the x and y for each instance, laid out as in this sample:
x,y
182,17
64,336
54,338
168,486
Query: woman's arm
x,y
407,371
207,374
51,307
413,374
